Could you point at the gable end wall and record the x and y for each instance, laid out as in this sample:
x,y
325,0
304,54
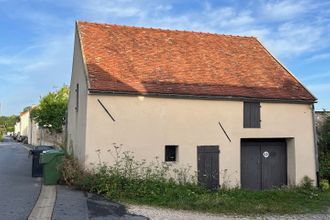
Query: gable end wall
x,y
76,137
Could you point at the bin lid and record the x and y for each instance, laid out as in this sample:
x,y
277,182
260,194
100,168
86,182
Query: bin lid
x,y
44,146
49,155
41,148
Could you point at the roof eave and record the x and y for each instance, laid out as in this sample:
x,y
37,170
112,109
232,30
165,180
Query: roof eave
x,y
189,96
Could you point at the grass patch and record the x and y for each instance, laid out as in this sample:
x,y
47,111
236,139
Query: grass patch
x,y
151,184
190,197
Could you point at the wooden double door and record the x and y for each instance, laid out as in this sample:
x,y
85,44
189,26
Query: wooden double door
x,y
263,163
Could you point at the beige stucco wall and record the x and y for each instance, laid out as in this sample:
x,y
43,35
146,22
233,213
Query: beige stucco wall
x,y
25,123
145,125
76,128
33,133
17,127
49,138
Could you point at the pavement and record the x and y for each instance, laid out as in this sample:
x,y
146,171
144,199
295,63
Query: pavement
x,y
18,190
76,205
24,197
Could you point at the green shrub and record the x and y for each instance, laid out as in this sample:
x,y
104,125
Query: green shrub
x,y
324,165
159,184
52,110
306,182
324,184
324,148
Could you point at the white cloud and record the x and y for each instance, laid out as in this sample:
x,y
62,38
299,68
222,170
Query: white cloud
x,y
259,32
18,58
283,10
37,72
316,76
164,8
318,57
156,14
110,9
104,10
35,66
226,17
13,78
322,87
38,18
291,39
51,58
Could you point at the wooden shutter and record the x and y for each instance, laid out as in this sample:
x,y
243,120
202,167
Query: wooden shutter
x,y
251,115
77,98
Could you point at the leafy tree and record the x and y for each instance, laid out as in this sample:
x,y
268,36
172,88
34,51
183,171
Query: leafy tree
x,y
324,149
51,111
9,122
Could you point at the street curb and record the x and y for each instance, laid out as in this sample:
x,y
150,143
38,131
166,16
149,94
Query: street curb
x,y
43,209
26,148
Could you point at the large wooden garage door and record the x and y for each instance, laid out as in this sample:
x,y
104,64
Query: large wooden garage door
x,y
263,163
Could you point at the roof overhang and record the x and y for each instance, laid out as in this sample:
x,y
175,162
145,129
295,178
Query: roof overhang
x,y
205,97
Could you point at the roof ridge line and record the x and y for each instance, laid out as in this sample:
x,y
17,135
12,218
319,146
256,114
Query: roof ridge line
x,y
166,29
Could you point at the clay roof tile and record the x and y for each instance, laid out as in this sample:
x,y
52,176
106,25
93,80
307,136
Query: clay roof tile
x,y
148,60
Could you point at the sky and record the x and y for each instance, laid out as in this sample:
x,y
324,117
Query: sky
x,y
36,37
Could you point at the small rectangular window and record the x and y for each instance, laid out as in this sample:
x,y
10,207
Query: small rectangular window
x,y
251,115
171,152
77,97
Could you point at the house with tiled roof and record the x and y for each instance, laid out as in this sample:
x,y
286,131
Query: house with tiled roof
x,y
220,104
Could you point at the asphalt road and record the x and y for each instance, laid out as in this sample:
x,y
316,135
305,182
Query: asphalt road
x,y
18,190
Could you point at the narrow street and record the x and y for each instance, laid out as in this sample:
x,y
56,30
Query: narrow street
x,y
18,190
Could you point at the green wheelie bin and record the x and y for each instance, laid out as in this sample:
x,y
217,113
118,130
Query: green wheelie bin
x,y
51,161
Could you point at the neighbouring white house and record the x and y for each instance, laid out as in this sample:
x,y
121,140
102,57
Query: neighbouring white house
x,y
17,129
25,123
36,134
28,127
221,104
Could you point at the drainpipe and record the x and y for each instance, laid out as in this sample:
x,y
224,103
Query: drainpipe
x,y
316,148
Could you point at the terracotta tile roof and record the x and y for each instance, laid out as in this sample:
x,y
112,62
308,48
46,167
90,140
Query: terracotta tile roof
x,y
155,61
